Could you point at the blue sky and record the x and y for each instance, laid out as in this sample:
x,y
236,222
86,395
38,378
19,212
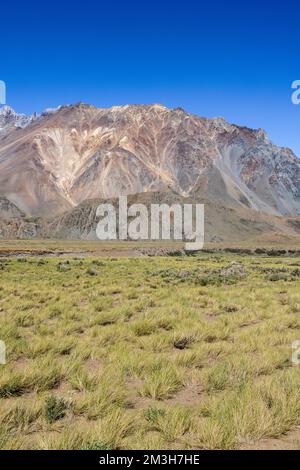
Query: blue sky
x,y
213,58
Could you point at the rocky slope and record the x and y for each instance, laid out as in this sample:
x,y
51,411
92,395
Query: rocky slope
x,y
223,224
10,120
52,163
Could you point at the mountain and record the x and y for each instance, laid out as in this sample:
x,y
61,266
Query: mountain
x,y
9,120
8,210
223,224
51,163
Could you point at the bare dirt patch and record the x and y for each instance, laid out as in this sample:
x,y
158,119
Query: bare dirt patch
x,y
289,441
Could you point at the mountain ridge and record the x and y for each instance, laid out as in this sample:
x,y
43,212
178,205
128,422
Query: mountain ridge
x,y
55,161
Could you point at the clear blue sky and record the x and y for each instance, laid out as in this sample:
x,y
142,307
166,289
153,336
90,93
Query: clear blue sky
x,y
215,58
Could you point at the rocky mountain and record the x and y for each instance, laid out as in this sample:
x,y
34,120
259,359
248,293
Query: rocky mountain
x,y
223,224
52,163
9,120
8,210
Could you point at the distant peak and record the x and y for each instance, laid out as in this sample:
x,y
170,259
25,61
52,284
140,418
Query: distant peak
x,y
262,135
4,110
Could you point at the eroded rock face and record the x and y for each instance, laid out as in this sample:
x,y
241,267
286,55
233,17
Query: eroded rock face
x,y
9,120
8,210
80,152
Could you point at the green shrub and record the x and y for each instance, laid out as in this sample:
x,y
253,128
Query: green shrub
x,y
55,409
153,413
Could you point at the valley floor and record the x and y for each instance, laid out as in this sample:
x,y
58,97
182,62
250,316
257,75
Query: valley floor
x,y
163,352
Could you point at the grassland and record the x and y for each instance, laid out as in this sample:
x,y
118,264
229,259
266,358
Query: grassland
x,y
270,242
148,353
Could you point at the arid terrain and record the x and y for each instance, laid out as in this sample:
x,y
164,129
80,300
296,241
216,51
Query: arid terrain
x,y
149,232
140,344
113,348
57,167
